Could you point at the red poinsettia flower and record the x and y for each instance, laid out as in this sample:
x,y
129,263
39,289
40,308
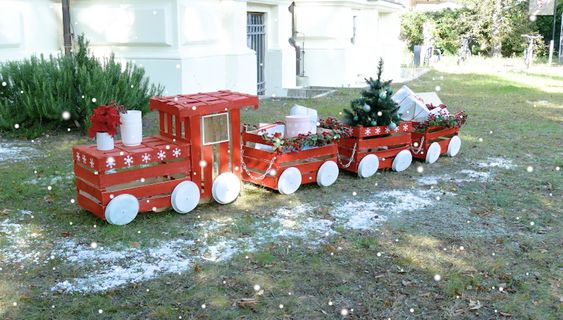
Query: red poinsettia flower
x,y
104,119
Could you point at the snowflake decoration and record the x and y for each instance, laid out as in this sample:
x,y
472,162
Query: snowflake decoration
x,y
368,131
146,158
396,129
405,127
77,156
110,162
84,158
161,155
177,152
377,130
387,130
91,162
128,161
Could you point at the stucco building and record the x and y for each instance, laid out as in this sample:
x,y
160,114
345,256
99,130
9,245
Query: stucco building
x,y
264,46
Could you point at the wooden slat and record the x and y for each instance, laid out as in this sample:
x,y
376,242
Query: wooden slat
x,y
161,116
91,206
311,153
144,191
195,136
88,188
207,171
384,141
390,153
157,202
445,132
235,140
256,153
224,158
84,174
108,180
253,137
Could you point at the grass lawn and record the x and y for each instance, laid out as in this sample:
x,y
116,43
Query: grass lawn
x,y
477,236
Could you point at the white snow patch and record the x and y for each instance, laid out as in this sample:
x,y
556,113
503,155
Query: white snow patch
x,y
496,163
112,268
15,151
365,215
472,175
20,246
50,180
465,175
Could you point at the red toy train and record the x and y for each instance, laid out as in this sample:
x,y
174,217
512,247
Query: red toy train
x,y
201,154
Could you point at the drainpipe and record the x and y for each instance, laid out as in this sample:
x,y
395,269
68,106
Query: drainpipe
x,y
67,35
292,41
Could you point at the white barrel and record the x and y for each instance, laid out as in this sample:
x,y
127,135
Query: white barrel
x,y
296,125
131,128
104,141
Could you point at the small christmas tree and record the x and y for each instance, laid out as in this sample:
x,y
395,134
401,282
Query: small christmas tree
x,y
375,107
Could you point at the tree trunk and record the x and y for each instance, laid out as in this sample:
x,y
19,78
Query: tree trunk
x,y
495,36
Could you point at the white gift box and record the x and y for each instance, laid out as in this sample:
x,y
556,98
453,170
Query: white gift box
x,y
270,129
412,106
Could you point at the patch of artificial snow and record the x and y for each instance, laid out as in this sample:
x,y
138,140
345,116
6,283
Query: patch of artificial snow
x,y
15,151
496,163
365,215
50,180
123,266
465,175
19,239
472,175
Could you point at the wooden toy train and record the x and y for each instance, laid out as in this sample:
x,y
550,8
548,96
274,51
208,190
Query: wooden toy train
x,y
201,154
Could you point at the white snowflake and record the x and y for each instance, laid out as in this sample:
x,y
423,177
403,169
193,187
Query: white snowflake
x,y
128,161
146,157
377,130
91,162
84,158
177,152
387,130
368,131
396,129
77,156
161,155
110,162
405,127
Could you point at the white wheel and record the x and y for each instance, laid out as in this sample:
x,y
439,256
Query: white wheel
x,y
327,174
402,161
368,166
454,146
185,197
433,152
289,181
122,209
226,188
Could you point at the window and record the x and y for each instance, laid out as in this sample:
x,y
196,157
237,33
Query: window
x,y
215,128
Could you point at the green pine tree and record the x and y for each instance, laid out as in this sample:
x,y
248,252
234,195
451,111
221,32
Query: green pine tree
x,y
375,107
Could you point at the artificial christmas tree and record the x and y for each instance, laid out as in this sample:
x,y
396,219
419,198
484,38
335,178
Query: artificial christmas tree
x,y
375,107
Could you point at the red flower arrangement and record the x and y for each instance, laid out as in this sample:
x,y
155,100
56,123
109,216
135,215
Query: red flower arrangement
x,y
104,119
442,118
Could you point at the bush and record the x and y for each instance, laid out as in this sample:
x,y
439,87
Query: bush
x,y
34,93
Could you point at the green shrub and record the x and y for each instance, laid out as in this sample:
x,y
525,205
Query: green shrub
x,y
34,93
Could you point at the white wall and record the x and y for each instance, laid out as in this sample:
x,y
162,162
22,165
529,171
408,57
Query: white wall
x,y
28,27
326,27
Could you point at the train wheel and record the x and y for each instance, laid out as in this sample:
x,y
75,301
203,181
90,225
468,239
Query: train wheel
x,y
122,209
185,197
289,181
402,161
433,152
327,174
368,166
226,188
454,146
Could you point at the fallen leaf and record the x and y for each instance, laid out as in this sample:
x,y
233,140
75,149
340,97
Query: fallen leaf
x,y
197,268
505,314
135,244
66,234
249,303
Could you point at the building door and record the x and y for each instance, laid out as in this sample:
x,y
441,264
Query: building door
x,y
256,40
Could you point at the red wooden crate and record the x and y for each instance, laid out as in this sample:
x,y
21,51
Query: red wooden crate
x,y
149,172
266,167
380,141
421,142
